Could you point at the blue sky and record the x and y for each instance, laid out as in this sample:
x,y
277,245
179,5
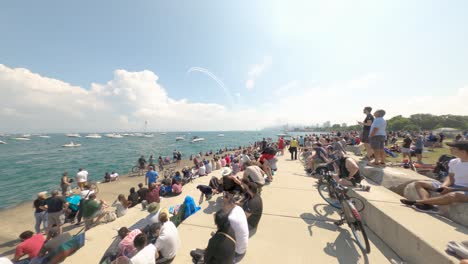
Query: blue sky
x,y
362,52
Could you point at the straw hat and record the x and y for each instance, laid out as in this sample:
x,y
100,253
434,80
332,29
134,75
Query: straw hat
x,y
153,207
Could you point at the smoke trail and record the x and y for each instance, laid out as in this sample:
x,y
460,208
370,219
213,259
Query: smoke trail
x,y
216,79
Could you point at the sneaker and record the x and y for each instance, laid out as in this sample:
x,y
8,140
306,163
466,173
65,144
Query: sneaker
x,y
407,202
365,188
426,208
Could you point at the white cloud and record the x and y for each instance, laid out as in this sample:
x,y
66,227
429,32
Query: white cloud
x,y
31,102
257,70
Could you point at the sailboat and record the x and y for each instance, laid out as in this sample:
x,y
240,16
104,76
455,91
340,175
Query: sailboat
x,y
147,135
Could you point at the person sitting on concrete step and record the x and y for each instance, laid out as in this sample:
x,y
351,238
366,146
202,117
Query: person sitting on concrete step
x,y
453,190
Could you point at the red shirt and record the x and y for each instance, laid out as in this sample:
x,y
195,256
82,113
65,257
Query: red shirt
x,y
281,143
30,246
153,196
228,160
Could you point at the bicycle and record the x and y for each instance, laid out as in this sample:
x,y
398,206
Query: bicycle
x,y
336,195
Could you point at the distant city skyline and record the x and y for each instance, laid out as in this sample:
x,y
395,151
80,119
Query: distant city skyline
x,y
212,66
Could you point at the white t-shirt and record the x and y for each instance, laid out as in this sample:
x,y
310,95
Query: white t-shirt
x,y
460,170
202,171
153,218
114,175
145,256
120,210
245,158
209,168
168,242
84,194
238,222
82,176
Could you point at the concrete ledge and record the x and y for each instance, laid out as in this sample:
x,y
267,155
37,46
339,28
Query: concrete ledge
x,y
416,237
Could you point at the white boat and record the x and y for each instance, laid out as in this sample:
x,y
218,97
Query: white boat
x,y
179,138
197,139
73,135
113,135
93,136
22,138
163,133
128,135
26,135
2,142
148,135
220,135
71,145
44,136
138,135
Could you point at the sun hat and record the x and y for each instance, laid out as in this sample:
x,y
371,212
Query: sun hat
x,y
153,207
226,171
462,144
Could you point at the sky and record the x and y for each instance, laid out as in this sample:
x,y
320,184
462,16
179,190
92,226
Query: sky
x,y
96,66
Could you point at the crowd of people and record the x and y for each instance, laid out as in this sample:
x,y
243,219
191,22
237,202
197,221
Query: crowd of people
x,y
244,172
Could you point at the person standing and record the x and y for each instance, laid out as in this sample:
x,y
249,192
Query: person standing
x,y
64,184
40,212
366,127
293,148
238,221
419,146
151,176
377,137
406,147
81,178
55,206
281,145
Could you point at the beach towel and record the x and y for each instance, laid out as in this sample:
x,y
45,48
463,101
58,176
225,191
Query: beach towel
x,y
66,249
393,155
190,207
74,202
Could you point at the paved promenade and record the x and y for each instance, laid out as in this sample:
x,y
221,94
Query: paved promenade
x,y
296,226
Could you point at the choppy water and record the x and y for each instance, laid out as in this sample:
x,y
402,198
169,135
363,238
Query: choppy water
x,y
28,167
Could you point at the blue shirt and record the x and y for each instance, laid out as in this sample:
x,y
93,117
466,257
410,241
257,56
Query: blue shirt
x,y
381,124
152,176
419,143
301,140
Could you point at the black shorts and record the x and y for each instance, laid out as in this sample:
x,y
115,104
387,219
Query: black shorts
x,y
365,136
418,151
356,179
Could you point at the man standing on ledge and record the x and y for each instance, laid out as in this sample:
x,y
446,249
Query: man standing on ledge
x,y
377,137
366,126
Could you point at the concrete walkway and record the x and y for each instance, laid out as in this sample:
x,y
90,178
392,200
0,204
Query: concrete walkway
x,y
296,226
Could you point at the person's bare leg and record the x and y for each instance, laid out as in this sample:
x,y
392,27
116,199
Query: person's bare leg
x,y
422,189
368,150
200,201
453,197
383,156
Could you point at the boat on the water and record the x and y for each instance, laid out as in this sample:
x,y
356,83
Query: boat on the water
x,y
220,135
128,135
71,145
2,142
93,136
113,135
197,139
44,136
22,138
148,135
163,133
179,138
73,135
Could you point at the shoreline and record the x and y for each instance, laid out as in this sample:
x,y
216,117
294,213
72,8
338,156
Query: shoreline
x,y
20,217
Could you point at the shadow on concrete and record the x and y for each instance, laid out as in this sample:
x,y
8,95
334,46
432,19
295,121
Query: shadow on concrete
x,y
320,218
345,249
214,206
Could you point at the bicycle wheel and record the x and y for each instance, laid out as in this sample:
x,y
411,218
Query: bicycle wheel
x,y
135,169
360,234
328,195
